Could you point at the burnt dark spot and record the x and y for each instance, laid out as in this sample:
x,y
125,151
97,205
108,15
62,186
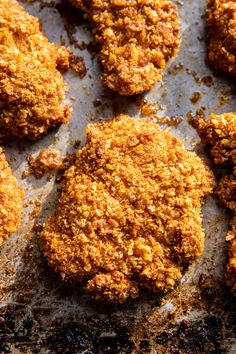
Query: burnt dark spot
x,y
7,327
144,344
203,336
4,348
95,336
97,103
38,227
89,335
72,336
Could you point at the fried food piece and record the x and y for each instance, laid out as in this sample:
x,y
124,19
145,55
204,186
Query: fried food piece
x,y
10,200
219,132
129,214
31,87
135,38
221,22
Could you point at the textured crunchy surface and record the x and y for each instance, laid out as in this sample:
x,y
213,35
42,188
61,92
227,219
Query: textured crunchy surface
x,y
129,213
136,38
44,314
31,87
10,200
219,132
221,21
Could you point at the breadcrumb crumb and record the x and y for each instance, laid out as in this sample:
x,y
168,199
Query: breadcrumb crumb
x,y
129,215
48,159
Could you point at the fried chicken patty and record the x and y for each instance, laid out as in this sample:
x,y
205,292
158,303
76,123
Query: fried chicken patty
x,y
221,22
136,39
31,87
129,215
219,132
10,200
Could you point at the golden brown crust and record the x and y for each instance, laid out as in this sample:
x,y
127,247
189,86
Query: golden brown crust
x,y
10,200
219,132
31,87
136,39
129,213
221,22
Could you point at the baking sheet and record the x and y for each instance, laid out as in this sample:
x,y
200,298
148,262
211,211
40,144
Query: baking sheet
x,y
38,313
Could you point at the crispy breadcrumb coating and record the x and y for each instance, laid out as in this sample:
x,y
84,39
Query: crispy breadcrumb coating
x,y
221,22
219,132
31,87
129,215
10,200
136,39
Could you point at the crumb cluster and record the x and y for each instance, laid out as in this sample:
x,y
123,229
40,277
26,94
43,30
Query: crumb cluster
x,y
219,132
31,87
48,159
135,38
10,200
129,215
221,22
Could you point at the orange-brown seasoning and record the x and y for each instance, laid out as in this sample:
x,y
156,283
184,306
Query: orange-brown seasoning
x,y
135,38
10,200
219,132
31,87
129,215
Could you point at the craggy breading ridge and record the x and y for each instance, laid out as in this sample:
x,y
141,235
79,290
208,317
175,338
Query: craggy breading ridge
x,y
219,132
129,215
31,87
10,200
221,22
136,39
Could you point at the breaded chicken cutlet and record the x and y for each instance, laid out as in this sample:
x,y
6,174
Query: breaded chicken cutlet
x,y
221,22
219,132
135,38
129,215
31,87
10,200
